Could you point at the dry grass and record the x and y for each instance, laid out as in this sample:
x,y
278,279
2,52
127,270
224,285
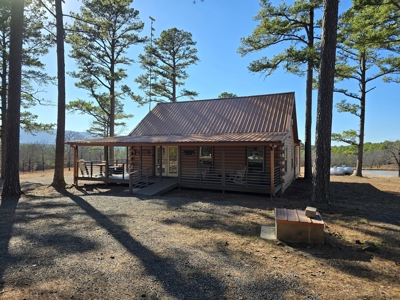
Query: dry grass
x,y
97,242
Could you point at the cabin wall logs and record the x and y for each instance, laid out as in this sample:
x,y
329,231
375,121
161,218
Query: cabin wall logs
x,y
147,154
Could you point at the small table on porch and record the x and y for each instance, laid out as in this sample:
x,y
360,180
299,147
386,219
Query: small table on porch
x,y
101,166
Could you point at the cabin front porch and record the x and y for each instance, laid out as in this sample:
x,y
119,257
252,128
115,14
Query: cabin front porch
x,y
235,168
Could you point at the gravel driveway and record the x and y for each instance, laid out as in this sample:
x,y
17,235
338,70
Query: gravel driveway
x,y
96,243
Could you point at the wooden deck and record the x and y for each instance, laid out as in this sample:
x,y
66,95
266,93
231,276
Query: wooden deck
x,y
147,182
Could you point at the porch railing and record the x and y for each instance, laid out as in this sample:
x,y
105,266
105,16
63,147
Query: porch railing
x,y
203,176
238,177
100,169
142,178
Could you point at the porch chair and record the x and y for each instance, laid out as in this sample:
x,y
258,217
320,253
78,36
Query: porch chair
x,y
83,168
202,172
238,176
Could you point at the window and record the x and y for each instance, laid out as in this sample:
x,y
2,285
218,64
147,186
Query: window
x,y
255,158
206,156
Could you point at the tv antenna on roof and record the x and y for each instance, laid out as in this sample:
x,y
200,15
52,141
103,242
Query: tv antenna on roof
x,y
151,45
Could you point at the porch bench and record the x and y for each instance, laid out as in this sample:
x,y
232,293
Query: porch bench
x,y
292,225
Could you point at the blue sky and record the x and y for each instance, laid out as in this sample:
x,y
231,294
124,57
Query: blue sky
x,y
217,26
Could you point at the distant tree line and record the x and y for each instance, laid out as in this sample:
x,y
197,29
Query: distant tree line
x,y
40,155
384,155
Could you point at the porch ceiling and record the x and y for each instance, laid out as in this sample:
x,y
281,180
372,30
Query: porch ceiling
x,y
253,137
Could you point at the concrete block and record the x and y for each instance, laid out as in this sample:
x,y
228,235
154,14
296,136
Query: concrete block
x,y
311,212
268,232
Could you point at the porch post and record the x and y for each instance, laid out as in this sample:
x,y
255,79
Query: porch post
x,y
141,159
179,166
161,158
127,162
154,161
106,159
75,164
223,169
272,179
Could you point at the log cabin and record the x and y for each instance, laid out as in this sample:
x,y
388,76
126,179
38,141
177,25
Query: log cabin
x,y
246,144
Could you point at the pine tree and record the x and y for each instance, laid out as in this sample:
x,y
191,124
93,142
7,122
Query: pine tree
x,y
282,25
227,95
12,186
36,43
165,63
321,175
101,34
58,178
368,50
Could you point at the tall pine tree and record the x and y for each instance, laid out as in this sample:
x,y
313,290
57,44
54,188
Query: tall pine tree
x,y
321,175
100,36
293,26
165,63
12,186
36,43
368,49
58,178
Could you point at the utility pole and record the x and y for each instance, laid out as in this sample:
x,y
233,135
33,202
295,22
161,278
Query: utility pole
x,y
151,67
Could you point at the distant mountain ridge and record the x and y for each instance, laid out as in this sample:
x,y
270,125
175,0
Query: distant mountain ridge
x,y
42,137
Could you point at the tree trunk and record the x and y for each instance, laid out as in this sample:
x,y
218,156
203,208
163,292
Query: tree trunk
x,y
360,146
4,108
12,186
174,80
58,179
321,176
112,91
308,121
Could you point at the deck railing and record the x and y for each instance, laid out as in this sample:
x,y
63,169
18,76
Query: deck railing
x,y
203,176
100,169
142,178
231,177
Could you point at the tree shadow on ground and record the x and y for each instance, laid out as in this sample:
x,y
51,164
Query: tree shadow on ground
x,y
19,220
168,270
349,198
351,202
7,219
161,268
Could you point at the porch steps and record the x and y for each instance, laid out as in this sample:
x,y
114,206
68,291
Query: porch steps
x,y
156,189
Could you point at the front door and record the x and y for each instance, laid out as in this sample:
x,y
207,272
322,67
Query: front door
x,y
169,160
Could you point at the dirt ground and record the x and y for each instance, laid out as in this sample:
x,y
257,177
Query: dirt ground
x,y
204,235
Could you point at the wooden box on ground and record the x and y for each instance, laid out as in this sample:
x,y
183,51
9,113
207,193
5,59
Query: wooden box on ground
x,y
292,225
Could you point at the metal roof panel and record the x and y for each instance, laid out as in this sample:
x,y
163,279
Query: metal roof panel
x,y
264,113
